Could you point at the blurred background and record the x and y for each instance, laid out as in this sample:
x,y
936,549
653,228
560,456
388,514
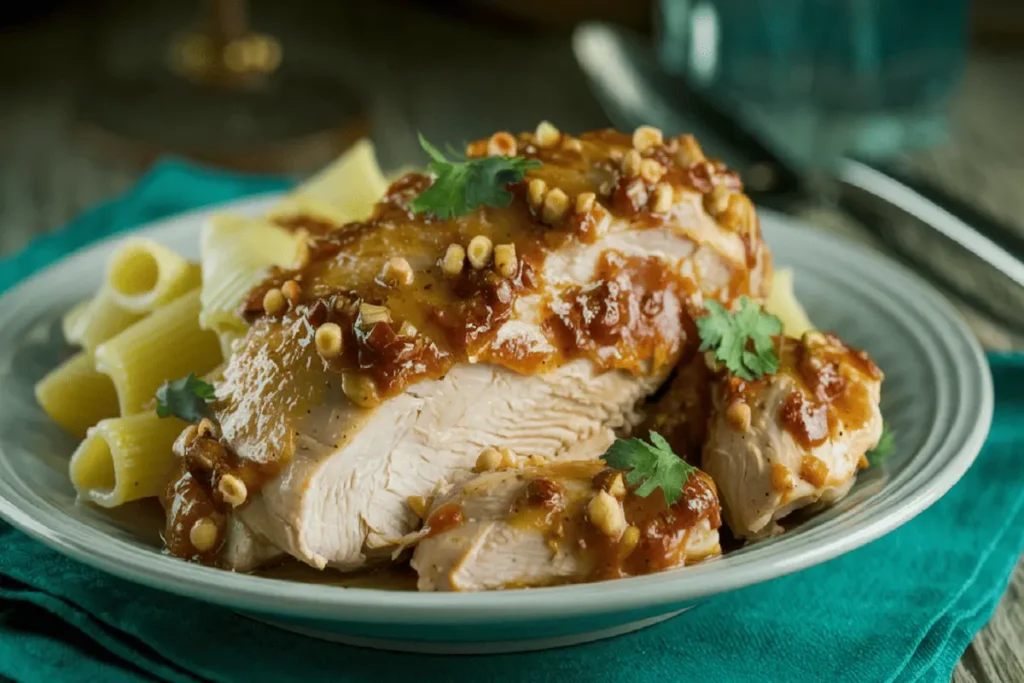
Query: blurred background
x,y
92,91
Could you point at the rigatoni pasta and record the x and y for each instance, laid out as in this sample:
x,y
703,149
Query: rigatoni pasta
x,y
344,191
76,396
144,275
124,459
75,319
91,323
236,254
166,345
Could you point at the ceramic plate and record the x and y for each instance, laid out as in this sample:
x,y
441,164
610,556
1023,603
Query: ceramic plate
x,y
937,398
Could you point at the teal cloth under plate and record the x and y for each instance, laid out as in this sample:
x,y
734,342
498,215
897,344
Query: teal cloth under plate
x,y
902,608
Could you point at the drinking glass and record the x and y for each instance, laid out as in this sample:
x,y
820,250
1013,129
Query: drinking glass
x,y
820,79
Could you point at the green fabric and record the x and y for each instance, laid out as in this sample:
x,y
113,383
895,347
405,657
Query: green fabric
x,y
171,187
900,609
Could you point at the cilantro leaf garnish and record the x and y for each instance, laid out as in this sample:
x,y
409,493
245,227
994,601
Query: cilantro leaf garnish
x,y
886,446
652,466
730,336
187,398
461,186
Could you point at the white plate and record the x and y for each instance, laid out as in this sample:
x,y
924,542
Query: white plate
x,y
937,397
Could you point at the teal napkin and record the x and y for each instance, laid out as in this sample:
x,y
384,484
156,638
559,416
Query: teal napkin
x,y
903,608
171,187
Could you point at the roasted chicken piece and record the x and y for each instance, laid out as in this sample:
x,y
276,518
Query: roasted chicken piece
x,y
566,522
794,438
407,344
343,498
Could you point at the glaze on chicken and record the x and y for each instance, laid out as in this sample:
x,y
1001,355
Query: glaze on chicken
x,y
795,438
568,522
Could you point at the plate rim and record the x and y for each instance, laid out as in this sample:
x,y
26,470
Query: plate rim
x,y
323,602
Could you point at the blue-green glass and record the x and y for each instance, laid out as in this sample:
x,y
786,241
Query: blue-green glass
x,y
822,78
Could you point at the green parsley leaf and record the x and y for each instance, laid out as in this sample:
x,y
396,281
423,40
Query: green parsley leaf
x,y
652,466
187,398
886,446
731,336
461,186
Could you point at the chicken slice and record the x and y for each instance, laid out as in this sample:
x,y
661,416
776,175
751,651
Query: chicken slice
x,y
344,499
558,523
795,438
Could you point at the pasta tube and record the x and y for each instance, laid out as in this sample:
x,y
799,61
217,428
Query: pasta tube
x,y
93,322
143,275
236,255
75,319
76,396
237,252
125,459
166,345
344,191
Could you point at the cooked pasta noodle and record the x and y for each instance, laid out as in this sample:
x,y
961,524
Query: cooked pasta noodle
x,y
237,252
143,275
344,191
93,322
236,255
166,345
125,458
782,302
76,396
75,320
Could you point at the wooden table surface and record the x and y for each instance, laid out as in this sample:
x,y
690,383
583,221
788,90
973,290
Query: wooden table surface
x,y
46,178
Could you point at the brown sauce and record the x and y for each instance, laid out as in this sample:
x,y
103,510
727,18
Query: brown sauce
x,y
806,420
543,493
540,504
663,530
444,518
633,316
828,392
193,494
208,458
485,301
309,224
186,501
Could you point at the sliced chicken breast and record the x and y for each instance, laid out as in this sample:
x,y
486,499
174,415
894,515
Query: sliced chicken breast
x,y
409,343
348,499
559,523
794,438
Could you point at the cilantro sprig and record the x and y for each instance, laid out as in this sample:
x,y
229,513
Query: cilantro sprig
x,y
886,446
461,186
651,465
731,336
187,398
